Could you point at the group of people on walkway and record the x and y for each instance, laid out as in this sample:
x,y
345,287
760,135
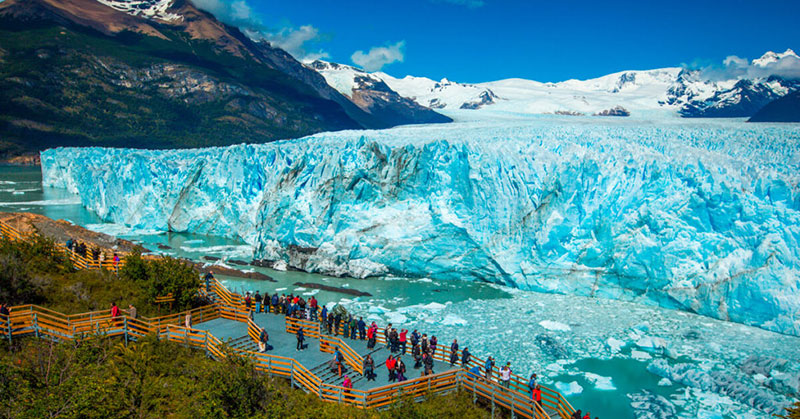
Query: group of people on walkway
x,y
422,348
97,255
289,305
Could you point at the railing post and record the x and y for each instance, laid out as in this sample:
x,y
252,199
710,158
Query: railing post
x,y
125,329
513,415
269,365
340,396
206,344
493,391
291,376
36,324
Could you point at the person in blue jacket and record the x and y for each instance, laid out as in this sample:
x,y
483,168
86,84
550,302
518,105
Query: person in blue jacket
x,y
324,317
488,367
362,328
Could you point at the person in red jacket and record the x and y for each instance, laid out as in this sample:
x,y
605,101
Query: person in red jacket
x,y
115,313
402,340
390,365
537,395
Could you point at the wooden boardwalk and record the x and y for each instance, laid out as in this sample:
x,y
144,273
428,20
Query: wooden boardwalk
x,y
226,328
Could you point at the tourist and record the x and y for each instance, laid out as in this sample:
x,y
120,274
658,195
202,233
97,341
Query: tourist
x,y
433,344
132,313
353,328
312,306
116,263
348,385
275,300
361,328
4,311
414,338
371,336
337,320
466,357
505,375
324,318
391,363
300,339
427,360
400,367
394,340
532,382
369,368
587,416
424,343
402,340
330,323
337,361
263,338
247,301
187,321
417,354
386,334
487,367
577,414
536,395
257,299
207,279
454,352
475,372
115,313
69,244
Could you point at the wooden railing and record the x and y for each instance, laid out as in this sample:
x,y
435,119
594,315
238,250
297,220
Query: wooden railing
x,y
78,261
352,358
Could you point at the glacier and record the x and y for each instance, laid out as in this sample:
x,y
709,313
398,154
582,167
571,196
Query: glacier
x,y
692,215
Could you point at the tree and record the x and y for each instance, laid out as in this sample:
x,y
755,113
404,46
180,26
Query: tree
x,y
163,276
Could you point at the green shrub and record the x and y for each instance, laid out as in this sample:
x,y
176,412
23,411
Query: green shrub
x,y
163,276
102,378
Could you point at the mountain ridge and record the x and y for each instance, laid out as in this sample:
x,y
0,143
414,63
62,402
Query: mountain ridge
x,y
673,91
79,72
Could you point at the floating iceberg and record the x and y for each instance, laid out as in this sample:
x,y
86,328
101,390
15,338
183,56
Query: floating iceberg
x,y
699,216
557,326
569,389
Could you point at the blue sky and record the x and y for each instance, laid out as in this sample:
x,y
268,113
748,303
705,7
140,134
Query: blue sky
x,y
484,40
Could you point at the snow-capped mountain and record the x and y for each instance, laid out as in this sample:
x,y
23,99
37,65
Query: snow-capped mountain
x,y
370,93
443,94
671,91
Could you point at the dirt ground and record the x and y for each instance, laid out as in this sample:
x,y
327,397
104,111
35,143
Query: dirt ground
x,y
61,231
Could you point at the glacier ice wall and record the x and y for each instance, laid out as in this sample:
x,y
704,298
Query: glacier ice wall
x,y
700,216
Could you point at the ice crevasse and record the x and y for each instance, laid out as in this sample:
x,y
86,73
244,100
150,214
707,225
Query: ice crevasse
x,y
702,217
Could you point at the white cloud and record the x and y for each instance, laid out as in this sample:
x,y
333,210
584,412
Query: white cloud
x,y
377,57
785,65
296,41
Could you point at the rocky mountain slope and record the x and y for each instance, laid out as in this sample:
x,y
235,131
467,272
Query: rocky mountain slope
x,y
157,74
785,109
374,96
